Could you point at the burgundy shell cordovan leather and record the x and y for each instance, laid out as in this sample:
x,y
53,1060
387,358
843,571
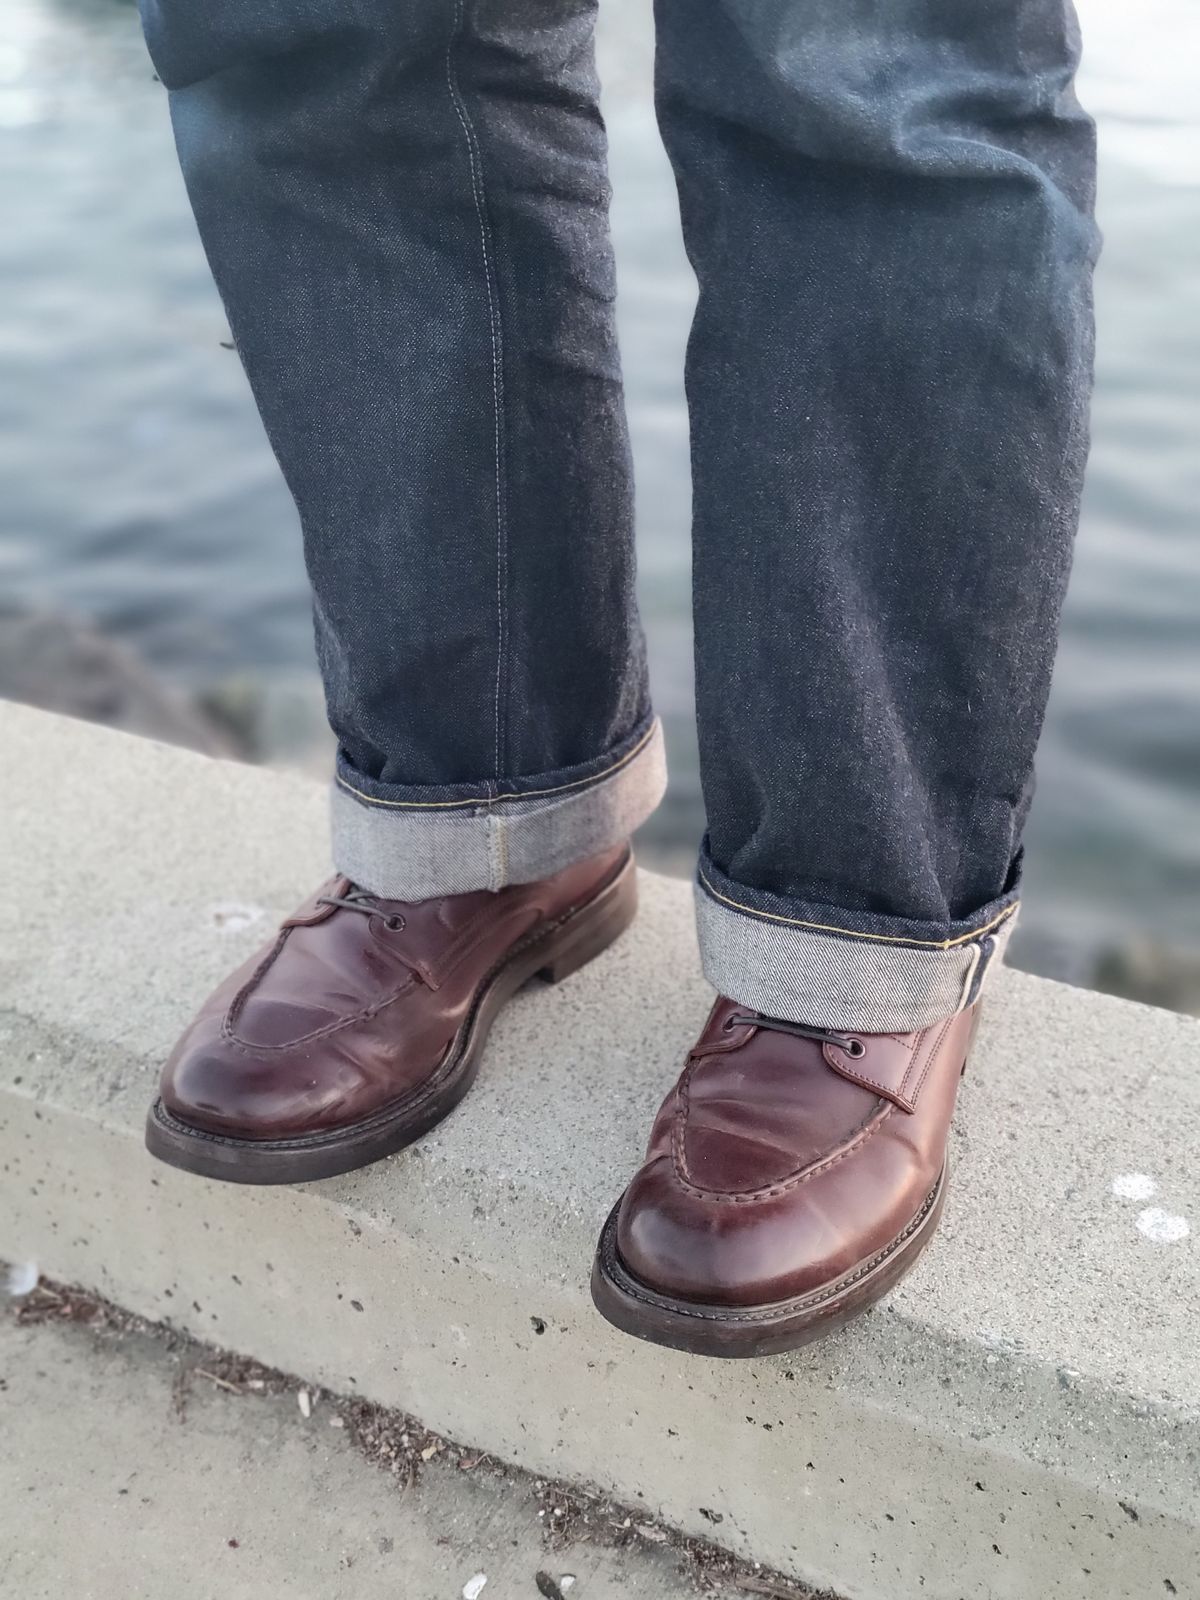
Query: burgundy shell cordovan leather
x,y
778,1164
344,1013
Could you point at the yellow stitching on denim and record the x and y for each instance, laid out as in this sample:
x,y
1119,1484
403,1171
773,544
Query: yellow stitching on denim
x,y
853,933
529,794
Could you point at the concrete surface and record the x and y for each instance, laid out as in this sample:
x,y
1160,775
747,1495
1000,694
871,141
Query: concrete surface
x,y
111,1490
1021,1419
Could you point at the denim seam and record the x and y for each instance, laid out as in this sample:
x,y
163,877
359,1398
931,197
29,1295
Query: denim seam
x,y
855,933
497,843
495,800
475,160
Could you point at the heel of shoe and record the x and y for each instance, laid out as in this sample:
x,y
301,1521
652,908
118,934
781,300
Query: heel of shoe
x,y
593,928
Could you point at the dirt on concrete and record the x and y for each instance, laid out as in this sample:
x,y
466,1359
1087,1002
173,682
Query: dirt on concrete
x,y
401,1446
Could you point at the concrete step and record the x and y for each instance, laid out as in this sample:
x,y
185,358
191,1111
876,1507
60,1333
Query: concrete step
x,y
1021,1419
130,1472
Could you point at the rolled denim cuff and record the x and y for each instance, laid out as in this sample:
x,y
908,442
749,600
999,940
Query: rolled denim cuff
x,y
413,844
814,964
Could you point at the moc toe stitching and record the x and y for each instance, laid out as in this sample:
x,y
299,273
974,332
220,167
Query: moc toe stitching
x,y
875,1118
254,1047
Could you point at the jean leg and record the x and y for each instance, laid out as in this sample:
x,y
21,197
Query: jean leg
x,y
405,209
889,211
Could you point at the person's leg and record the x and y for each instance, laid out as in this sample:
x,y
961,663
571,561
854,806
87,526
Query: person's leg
x,y
888,208
405,209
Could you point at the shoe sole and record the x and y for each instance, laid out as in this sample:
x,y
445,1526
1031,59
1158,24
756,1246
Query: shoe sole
x,y
553,953
746,1331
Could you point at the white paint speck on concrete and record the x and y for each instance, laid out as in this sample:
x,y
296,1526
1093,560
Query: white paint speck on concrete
x,y
1163,1227
22,1278
231,916
1134,1186
473,1587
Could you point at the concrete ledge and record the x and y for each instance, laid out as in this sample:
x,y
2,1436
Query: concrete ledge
x,y
1022,1419
128,1474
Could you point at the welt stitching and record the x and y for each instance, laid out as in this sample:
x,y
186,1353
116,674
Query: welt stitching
x,y
499,799
870,1125
856,933
477,191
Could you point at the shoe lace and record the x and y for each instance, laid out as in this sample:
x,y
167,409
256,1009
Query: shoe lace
x,y
356,899
799,1030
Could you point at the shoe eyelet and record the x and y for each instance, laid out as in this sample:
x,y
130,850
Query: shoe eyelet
x,y
394,923
855,1049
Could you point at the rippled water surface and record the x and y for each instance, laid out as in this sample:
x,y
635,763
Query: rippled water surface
x,y
138,488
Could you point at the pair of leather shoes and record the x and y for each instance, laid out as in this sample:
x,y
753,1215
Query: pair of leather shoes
x,y
793,1175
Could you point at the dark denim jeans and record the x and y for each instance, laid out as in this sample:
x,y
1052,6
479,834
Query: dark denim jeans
x,y
888,207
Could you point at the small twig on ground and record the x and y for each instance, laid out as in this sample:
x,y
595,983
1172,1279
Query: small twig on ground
x,y
777,1590
221,1383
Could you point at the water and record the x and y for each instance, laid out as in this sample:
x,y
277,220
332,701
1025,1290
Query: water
x,y
137,488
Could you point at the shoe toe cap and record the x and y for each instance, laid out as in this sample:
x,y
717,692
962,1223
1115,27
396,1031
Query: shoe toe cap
x,y
682,1244
737,1250
212,1084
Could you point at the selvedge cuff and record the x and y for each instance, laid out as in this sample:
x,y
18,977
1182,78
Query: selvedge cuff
x,y
414,849
822,970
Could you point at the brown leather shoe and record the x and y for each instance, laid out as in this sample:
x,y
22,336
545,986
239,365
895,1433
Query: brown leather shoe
x,y
794,1175
361,1025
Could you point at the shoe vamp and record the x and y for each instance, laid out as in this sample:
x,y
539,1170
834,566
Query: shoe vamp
x,y
754,1123
321,978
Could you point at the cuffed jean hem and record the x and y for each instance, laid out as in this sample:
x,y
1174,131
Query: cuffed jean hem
x,y
834,969
407,848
